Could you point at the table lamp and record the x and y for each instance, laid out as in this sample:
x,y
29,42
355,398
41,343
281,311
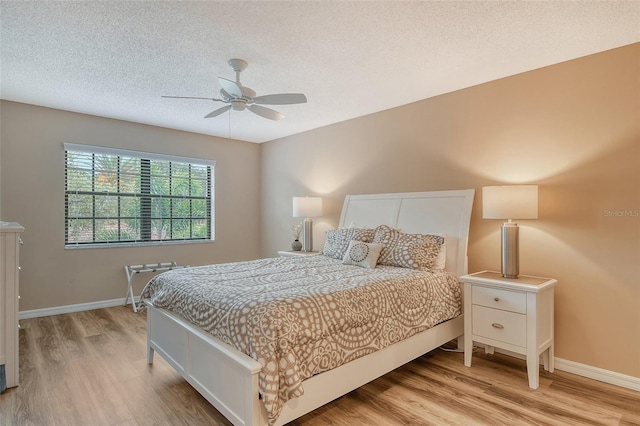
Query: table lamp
x,y
307,207
510,202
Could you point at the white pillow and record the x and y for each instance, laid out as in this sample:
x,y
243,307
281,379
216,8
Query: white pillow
x,y
362,254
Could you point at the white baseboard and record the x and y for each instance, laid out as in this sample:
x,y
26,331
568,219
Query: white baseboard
x,y
595,373
599,374
572,367
57,310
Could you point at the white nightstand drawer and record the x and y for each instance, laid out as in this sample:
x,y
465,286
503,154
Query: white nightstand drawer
x,y
508,327
500,299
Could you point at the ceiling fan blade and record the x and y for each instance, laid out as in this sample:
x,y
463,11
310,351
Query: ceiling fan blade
x,y
281,99
247,93
230,87
265,112
218,111
192,97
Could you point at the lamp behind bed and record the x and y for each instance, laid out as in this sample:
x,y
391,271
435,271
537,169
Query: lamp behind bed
x,y
307,207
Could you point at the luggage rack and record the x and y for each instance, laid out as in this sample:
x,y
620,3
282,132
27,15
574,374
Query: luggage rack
x,y
132,270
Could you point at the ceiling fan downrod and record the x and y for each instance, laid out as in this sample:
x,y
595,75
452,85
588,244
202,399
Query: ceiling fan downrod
x,y
238,65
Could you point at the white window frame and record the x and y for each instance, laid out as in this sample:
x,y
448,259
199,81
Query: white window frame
x,y
92,149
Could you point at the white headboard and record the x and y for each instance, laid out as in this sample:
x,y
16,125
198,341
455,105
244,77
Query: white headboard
x,y
436,212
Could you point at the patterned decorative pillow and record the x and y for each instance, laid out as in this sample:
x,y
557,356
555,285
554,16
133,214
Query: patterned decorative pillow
x,y
337,240
416,251
362,254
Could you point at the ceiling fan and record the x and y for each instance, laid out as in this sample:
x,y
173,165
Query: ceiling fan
x,y
239,97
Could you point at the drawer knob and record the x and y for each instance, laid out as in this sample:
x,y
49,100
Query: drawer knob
x,y
497,299
498,326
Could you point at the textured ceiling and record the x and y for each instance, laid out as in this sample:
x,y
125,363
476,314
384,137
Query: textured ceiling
x,y
115,59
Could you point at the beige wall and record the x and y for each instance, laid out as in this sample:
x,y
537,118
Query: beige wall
x,y
32,193
572,128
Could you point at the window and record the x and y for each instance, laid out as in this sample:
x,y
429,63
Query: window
x,y
114,196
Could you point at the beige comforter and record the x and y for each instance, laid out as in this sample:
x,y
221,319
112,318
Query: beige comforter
x,y
305,315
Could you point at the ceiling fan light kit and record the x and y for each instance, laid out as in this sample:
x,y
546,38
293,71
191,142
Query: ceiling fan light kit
x,y
239,97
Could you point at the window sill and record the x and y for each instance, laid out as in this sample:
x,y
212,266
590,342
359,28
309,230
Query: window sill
x,y
133,245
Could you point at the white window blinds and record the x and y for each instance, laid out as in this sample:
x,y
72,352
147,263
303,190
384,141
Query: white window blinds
x,y
125,197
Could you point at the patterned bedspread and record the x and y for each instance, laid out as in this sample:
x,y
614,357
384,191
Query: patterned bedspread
x,y
299,316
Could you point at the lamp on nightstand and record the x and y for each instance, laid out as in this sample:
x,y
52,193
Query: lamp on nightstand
x,y
307,207
510,202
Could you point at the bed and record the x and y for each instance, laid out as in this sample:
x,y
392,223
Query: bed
x,y
232,381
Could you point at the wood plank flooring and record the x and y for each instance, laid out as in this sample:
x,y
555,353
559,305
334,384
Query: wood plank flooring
x,y
89,369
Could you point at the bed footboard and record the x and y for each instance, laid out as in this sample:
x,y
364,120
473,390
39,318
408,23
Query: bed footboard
x,y
323,388
225,377
228,379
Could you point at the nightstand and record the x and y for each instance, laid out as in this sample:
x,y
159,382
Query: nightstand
x,y
511,314
288,253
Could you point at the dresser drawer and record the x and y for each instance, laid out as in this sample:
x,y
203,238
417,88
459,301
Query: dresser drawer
x,y
504,326
500,299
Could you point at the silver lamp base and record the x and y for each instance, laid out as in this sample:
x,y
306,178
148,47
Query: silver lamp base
x,y
307,235
510,250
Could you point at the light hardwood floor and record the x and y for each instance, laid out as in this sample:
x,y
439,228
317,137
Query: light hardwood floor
x,y
89,368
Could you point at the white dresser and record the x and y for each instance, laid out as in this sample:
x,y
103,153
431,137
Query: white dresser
x,y
9,273
511,314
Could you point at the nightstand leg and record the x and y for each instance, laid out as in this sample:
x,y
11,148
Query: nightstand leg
x,y
468,350
545,360
533,370
548,359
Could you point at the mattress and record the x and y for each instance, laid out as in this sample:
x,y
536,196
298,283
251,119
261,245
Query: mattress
x,y
300,316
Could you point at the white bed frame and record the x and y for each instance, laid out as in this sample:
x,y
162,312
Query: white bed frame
x,y
228,379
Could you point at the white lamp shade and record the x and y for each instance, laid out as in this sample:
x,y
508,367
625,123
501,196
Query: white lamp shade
x,y
510,202
307,206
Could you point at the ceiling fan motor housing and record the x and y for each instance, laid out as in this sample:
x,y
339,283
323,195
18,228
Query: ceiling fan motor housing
x,y
238,104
